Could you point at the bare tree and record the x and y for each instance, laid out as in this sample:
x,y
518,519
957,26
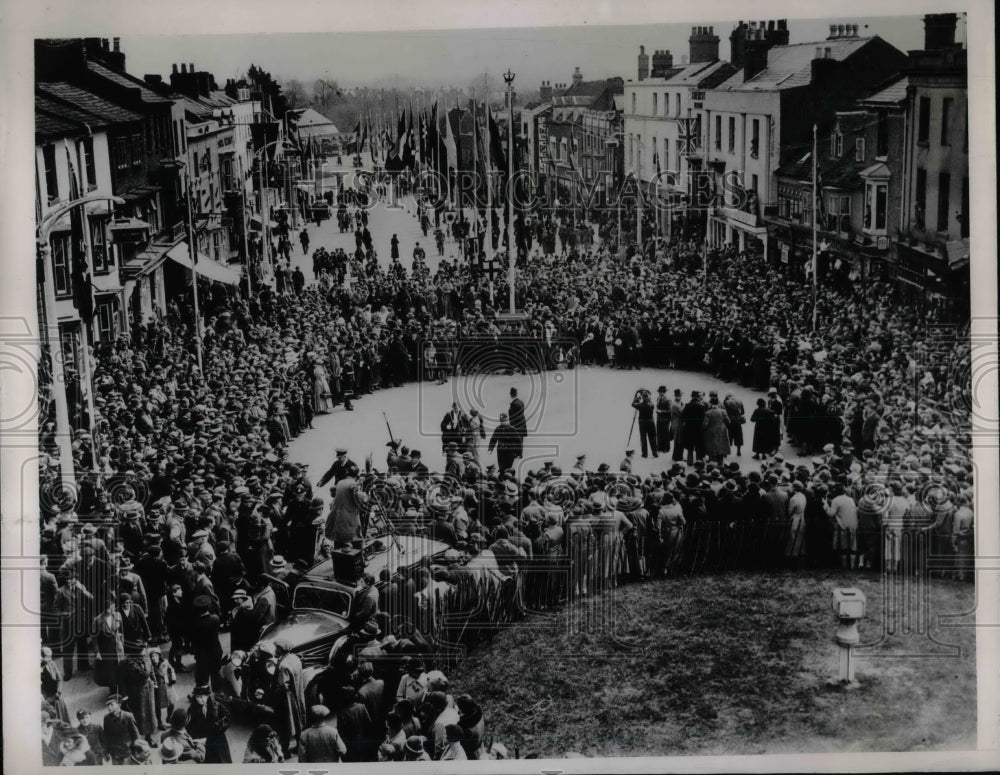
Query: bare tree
x,y
295,93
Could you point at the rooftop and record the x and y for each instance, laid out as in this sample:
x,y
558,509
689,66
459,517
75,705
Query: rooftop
x,y
123,79
892,94
791,66
89,103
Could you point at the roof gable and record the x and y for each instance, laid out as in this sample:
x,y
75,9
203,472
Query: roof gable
x,y
791,66
123,79
89,103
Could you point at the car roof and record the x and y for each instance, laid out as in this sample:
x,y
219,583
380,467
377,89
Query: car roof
x,y
405,551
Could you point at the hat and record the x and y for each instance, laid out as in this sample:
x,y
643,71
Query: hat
x,y
139,752
661,389
317,712
171,749
340,451
453,733
278,563
202,691
119,698
629,452
240,594
678,392
415,744
202,603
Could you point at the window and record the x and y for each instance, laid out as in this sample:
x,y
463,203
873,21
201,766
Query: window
x,y
837,148
859,149
946,105
99,247
920,199
60,264
677,104
755,139
137,150
944,192
631,150
88,164
121,154
732,134
753,184
633,103
924,120
881,134
718,133
679,145
51,178
655,106
106,321
194,163
638,151
666,155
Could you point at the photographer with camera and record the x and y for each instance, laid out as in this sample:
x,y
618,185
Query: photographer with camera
x,y
642,402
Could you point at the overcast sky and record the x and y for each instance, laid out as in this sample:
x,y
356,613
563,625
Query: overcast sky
x,y
426,58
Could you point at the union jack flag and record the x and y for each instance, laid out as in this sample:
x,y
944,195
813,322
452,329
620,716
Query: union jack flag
x,y
688,135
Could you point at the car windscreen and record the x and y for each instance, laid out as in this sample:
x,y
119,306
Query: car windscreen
x,y
333,601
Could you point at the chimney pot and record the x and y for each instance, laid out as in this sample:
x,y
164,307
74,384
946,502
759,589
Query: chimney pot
x,y
117,43
175,68
826,53
770,25
184,67
191,67
840,30
819,53
854,30
833,30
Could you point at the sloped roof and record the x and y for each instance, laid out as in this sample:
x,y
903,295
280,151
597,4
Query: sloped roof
x,y
88,102
594,88
892,94
123,79
47,125
790,66
64,112
219,99
851,122
840,172
196,108
310,117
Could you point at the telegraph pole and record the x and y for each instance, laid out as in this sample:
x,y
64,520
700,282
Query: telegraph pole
x,y
508,78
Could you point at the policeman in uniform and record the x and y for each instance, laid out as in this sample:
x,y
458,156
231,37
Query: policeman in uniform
x,y
340,469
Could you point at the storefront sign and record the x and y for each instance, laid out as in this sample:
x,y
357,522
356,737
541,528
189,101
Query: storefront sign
x,y
784,253
543,142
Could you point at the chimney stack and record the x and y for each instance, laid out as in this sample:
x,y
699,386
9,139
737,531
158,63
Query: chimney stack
x,y
737,44
755,57
545,93
833,32
643,64
577,76
939,30
663,60
703,45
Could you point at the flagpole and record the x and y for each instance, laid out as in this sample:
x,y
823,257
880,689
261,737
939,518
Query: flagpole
x,y
511,254
815,257
489,176
193,254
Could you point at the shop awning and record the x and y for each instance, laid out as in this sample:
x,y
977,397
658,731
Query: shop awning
x,y
206,267
255,223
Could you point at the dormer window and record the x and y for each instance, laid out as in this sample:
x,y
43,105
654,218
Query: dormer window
x,y
837,144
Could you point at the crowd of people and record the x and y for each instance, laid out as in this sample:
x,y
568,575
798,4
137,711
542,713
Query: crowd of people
x,y
193,497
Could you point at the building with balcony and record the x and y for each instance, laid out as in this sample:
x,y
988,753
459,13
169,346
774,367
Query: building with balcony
x,y
931,248
663,126
763,116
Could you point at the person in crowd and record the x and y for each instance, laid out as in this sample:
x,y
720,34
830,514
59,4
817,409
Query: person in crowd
x,y
263,746
321,740
208,720
120,730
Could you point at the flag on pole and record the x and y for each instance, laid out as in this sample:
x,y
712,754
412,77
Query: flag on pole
x,y
400,134
83,291
449,142
356,138
408,157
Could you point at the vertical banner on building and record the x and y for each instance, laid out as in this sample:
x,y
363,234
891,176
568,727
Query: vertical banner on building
x,y
543,143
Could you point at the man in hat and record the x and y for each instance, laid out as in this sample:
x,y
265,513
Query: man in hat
x,y
626,465
517,422
342,468
199,549
135,628
413,684
642,402
451,427
120,730
417,466
662,420
208,720
507,441
152,569
205,644
73,603
693,433
130,583
320,742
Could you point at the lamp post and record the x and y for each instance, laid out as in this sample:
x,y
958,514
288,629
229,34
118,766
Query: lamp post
x,y
44,232
508,78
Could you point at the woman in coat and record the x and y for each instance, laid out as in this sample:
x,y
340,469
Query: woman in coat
x,y
470,719
137,683
735,416
165,677
108,644
322,395
209,719
716,435
671,528
766,431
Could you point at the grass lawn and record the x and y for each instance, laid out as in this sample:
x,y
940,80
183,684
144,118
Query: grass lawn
x,y
730,664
